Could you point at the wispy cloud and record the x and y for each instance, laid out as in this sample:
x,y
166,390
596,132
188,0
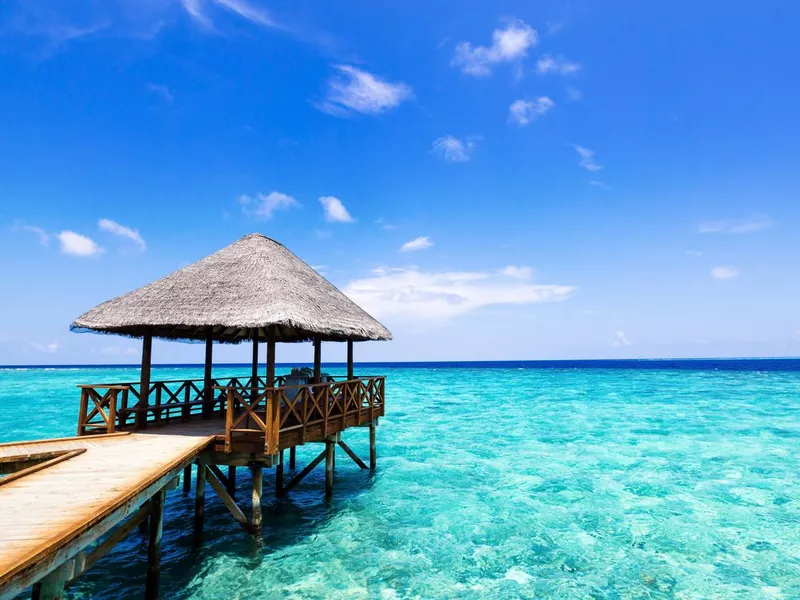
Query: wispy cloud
x,y
44,237
246,10
335,212
509,43
573,94
756,223
418,243
47,348
385,224
598,184
586,158
453,149
417,294
122,231
263,206
351,90
76,244
161,90
556,64
694,253
727,272
620,339
517,271
523,112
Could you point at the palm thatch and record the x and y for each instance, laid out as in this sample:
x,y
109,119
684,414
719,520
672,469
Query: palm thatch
x,y
237,294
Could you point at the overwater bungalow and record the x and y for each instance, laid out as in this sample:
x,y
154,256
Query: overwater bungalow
x,y
65,503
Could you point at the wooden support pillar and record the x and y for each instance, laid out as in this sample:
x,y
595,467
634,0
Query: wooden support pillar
x,y
50,587
293,458
187,479
199,498
373,456
271,357
254,362
231,480
279,475
144,387
317,360
329,454
258,481
154,544
208,393
350,373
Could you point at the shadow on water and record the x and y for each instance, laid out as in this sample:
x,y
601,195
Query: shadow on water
x,y
287,521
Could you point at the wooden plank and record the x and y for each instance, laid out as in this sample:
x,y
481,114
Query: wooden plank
x,y
352,455
229,502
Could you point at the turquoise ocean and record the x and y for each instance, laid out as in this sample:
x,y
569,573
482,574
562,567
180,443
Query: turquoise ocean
x,y
613,480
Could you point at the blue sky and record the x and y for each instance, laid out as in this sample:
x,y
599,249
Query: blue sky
x,y
503,180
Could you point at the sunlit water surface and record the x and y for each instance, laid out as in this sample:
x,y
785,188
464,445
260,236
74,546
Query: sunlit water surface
x,y
496,483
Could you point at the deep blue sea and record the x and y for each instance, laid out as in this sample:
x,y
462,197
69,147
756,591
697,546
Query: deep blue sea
x,y
597,479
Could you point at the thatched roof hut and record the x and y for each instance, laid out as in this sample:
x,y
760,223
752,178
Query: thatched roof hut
x,y
236,294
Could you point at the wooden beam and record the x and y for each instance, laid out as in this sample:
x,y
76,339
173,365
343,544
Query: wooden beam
x,y
229,502
293,458
144,389
352,455
208,393
216,471
52,586
254,363
302,474
154,544
330,448
271,356
350,373
187,479
317,360
199,498
258,475
373,456
119,534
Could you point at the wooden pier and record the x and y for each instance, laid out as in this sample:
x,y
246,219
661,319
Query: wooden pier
x,y
65,503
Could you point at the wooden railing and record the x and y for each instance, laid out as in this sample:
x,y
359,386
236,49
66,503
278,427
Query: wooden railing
x,y
305,411
106,408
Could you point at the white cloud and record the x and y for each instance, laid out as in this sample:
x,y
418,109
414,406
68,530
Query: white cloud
x,y
161,90
586,158
756,223
44,237
76,244
620,339
263,206
599,184
724,272
556,64
418,243
523,112
518,272
50,348
119,351
453,149
334,210
385,224
573,95
433,295
353,90
122,231
247,11
195,10
508,43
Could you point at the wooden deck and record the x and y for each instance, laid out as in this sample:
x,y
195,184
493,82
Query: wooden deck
x,y
47,517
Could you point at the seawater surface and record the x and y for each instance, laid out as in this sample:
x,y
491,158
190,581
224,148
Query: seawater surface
x,y
619,481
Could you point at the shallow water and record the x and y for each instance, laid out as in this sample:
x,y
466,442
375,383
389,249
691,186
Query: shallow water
x,y
497,483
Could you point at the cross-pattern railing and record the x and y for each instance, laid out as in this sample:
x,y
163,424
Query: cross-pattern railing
x,y
106,408
305,411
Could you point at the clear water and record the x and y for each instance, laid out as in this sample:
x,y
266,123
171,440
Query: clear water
x,y
510,482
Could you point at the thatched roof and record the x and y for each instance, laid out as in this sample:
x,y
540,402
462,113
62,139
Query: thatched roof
x,y
239,291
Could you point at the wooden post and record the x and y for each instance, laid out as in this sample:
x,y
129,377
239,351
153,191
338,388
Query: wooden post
x,y
273,401
271,357
144,387
208,393
317,360
258,479
154,544
350,373
231,479
329,454
373,456
254,365
279,475
51,587
293,458
199,498
187,479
